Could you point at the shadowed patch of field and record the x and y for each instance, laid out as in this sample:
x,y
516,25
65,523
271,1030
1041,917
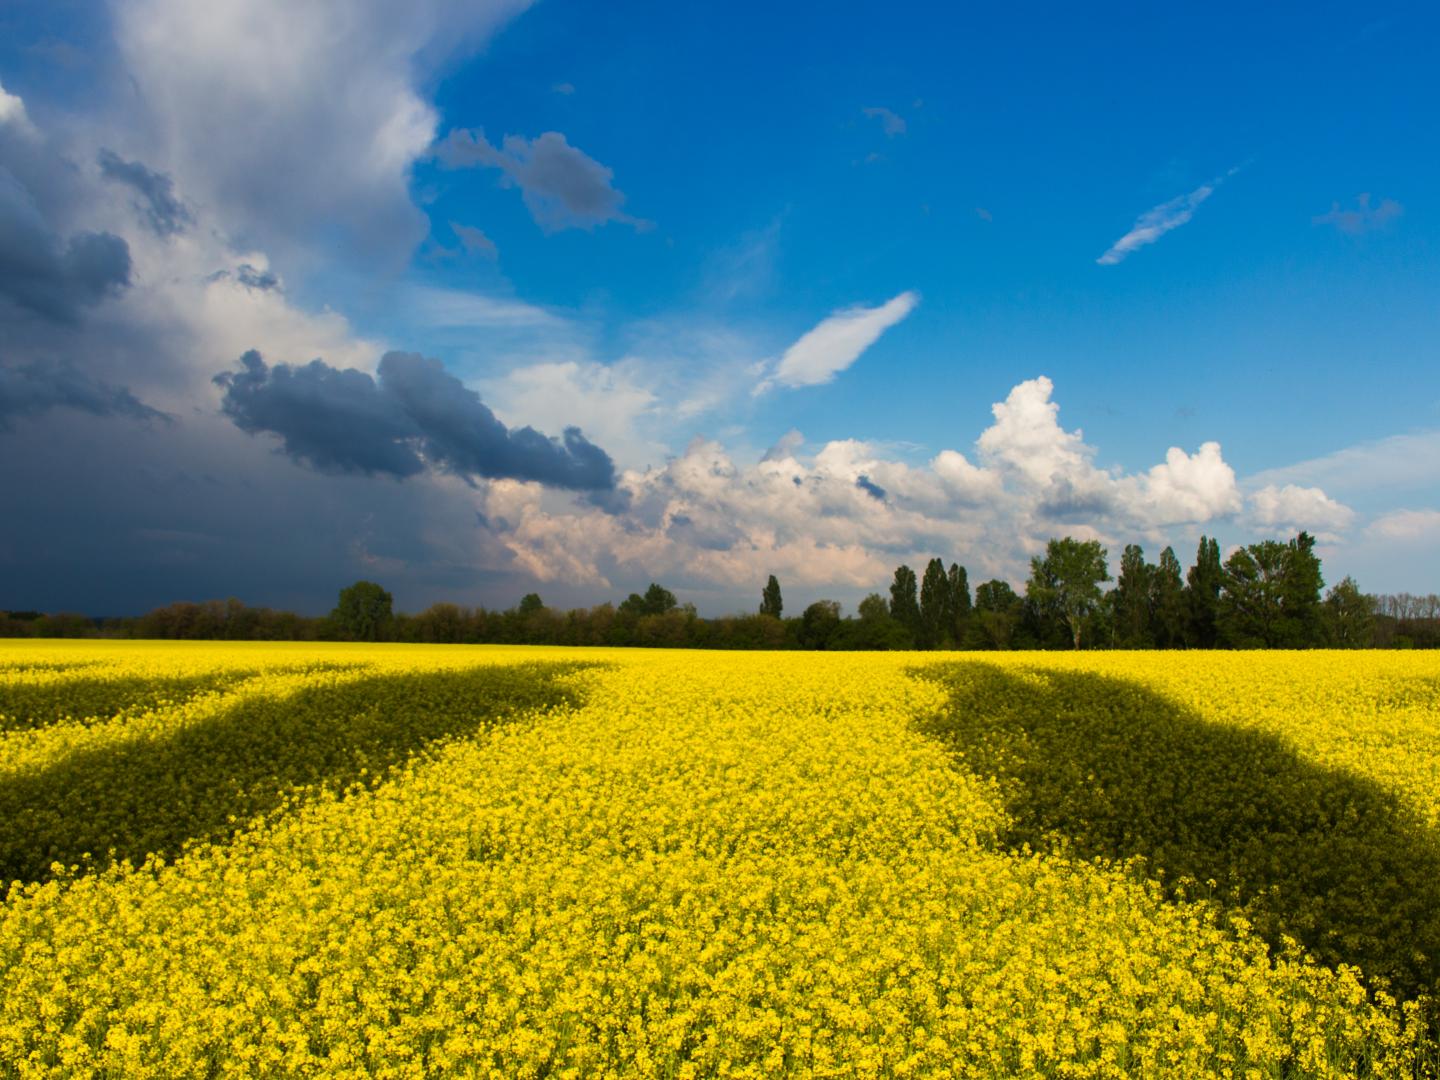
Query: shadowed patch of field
x,y
207,779
1104,767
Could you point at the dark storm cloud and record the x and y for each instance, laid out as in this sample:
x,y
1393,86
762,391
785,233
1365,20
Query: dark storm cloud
x,y
334,420
50,275
416,414
162,211
563,187
34,389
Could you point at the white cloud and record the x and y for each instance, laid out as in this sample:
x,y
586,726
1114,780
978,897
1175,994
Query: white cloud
x,y
1159,220
291,119
1188,488
1398,463
434,306
1406,527
841,518
837,342
12,112
1292,508
1027,438
612,403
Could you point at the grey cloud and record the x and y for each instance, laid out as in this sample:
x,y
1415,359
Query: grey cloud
x,y
46,274
416,414
1363,218
251,277
1064,500
785,446
892,123
34,389
563,187
708,536
161,209
474,241
874,490
337,421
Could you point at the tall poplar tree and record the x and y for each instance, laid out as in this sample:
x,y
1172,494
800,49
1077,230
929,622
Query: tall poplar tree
x,y
1202,596
1131,599
905,601
934,606
1167,602
960,605
770,601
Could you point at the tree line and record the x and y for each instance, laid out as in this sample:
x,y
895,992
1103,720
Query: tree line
x,y
1269,594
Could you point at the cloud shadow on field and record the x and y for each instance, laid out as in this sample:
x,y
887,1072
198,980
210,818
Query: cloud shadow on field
x,y
97,698
209,779
1112,769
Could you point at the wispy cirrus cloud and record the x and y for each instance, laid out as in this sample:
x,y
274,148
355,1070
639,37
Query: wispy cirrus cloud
x,y
836,343
1159,220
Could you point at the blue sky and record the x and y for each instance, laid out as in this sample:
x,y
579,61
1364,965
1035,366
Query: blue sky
x,y
990,267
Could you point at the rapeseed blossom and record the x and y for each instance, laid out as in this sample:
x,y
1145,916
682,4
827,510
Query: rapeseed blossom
x,y
611,863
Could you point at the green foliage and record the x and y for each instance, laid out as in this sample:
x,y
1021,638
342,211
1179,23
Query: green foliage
x,y
363,612
819,623
1103,767
1202,596
935,617
1271,596
531,604
657,600
1131,599
997,614
1065,582
1349,616
1167,602
771,603
960,606
905,602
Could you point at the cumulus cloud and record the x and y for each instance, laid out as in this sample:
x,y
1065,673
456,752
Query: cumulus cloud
x,y
836,343
842,518
33,389
293,122
561,185
1190,487
414,415
1363,217
613,402
1159,220
890,122
1292,508
161,209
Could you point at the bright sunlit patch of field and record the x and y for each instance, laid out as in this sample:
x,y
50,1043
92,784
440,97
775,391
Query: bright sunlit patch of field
x,y
403,861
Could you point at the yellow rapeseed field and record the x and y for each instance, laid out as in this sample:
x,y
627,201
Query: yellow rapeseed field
x,y
332,860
